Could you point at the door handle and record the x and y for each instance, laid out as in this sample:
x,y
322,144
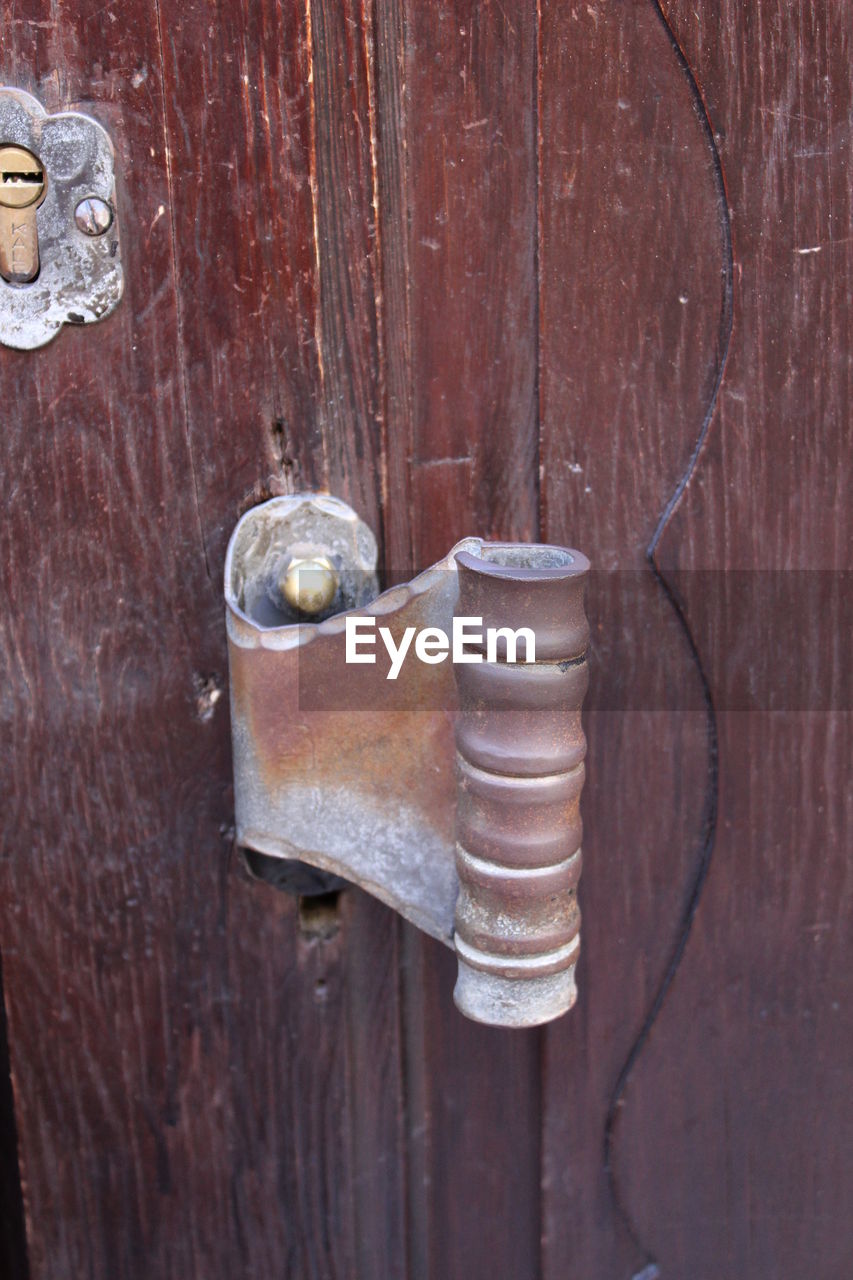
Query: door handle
x,y
425,743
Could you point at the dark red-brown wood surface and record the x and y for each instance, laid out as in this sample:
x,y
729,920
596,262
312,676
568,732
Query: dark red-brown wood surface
x,y
576,270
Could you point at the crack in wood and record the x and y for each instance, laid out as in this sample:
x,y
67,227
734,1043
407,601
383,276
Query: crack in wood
x,y
710,804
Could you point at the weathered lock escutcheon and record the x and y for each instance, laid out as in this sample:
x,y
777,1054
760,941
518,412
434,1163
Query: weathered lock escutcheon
x,y
60,259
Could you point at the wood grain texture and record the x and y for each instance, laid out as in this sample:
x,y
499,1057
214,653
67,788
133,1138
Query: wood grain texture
x,y
469,267
736,1140
469,432
472,260
13,1240
202,1089
631,293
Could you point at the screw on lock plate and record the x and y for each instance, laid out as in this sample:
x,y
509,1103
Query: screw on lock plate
x,y
22,189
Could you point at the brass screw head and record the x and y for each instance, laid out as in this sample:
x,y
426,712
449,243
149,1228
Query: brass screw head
x,y
309,584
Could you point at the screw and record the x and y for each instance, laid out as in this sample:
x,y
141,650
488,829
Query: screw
x,y
309,585
93,216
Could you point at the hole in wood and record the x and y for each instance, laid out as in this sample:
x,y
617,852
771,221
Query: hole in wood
x,y
319,917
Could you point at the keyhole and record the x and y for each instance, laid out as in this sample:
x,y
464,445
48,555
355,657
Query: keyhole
x,y
23,187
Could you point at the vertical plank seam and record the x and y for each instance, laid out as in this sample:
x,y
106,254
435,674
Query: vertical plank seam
x,y
315,217
537,273
541,491
278,449
405,345
179,316
397,54
368,24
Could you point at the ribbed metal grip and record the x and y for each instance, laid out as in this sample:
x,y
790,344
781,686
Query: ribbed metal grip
x,y
520,770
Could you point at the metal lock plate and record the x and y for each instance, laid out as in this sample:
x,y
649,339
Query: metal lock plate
x,y
60,259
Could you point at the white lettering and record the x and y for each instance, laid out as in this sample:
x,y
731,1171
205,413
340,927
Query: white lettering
x,y
432,645
512,638
395,653
461,637
353,639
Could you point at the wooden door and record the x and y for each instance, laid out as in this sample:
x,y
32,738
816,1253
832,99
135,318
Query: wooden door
x,y
578,271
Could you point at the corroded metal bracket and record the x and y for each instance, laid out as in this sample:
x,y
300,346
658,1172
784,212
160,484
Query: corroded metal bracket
x,y
450,792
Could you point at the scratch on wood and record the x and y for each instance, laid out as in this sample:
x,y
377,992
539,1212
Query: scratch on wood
x,y
178,305
427,463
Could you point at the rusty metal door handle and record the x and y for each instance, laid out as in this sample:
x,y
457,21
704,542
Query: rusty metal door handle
x,y
446,781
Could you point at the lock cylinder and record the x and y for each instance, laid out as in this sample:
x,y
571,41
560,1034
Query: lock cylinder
x,y
23,187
